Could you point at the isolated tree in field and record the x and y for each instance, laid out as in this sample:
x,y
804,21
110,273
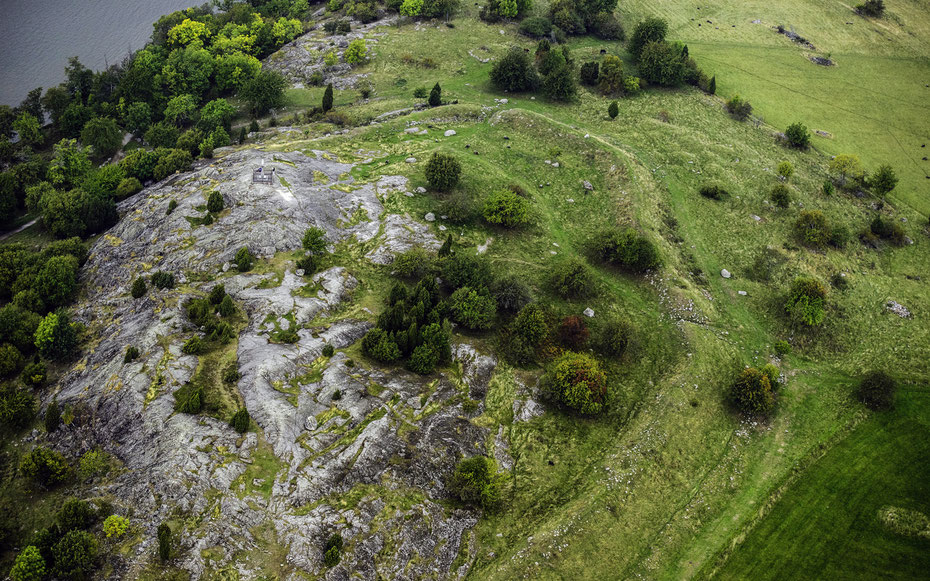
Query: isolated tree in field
x,y
613,110
506,208
806,301
649,30
752,393
876,390
443,171
739,108
798,136
514,72
845,167
215,202
328,98
883,180
435,96
712,85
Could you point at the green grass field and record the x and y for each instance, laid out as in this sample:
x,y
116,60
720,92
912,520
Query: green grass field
x,y
670,481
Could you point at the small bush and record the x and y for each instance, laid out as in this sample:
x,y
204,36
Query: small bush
x,y
873,8
511,294
193,346
44,466
127,187
215,202
476,481
784,170
458,208
806,301
29,565
381,346
115,526
34,374
531,325
752,393
17,407
464,269
74,555
52,416
536,27
413,263
576,381
356,53
739,108
782,348
132,353
613,110
189,399
138,288
883,180
514,72
74,514
332,550
713,191
507,209
231,374
813,229
573,333
589,73
244,259
240,420
781,195
163,280
798,136
571,278
420,93
92,463
435,96
888,230
627,249
612,337
172,205
876,391
472,309
443,172
328,350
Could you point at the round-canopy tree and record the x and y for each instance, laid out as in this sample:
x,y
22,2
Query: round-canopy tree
x,y
577,381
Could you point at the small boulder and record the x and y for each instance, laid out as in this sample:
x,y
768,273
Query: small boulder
x,y
411,160
589,312
725,273
430,217
449,133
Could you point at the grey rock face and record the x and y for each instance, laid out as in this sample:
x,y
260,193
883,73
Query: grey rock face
x,y
389,430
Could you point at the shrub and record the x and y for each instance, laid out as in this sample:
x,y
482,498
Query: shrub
x,y
876,390
713,191
164,541
873,8
34,373
612,337
739,108
798,136
577,382
627,249
511,294
435,96
243,259
883,180
613,110
472,309
328,350
443,171
231,374
846,167
189,399
356,52
536,27
413,263
507,209
332,550
661,63
573,333
839,236
571,278
138,288
74,514
464,269
610,77
589,73
782,348
781,195
381,346
11,360
17,407
29,565
240,420
423,360
44,466
55,337
93,462
514,72
162,280
560,84
115,525
887,230
74,555
531,325
171,207
132,353
784,170
476,481
752,393
127,187
813,229
215,202
193,346
649,30
458,208
806,301
327,103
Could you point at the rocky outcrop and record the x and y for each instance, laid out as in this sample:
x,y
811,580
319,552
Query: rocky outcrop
x,y
327,426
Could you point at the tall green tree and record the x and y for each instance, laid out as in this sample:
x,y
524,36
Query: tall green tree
x,y
264,92
328,98
103,136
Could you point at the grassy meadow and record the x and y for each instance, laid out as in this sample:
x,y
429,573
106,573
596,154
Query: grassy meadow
x,y
669,483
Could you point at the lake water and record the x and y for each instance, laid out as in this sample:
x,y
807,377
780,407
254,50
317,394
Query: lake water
x,y
38,36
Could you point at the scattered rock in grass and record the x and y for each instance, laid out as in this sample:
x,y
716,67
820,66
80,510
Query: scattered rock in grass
x,y
449,133
742,293
587,185
421,190
822,61
589,312
430,217
725,273
756,218
411,160
898,309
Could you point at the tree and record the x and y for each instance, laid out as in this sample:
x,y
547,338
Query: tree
x,y
806,301
332,550
44,466
874,8
171,161
627,249
443,171
28,128
613,110
435,96
472,309
215,202
798,136
161,134
514,72
164,541
328,98
610,79
411,7
216,114
264,92
52,416
876,390
712,86
55,337
74,514
571,278
781,196
589,73
846,166
234,70
506,208
162,279
74,555
57,281
285,30
649,30
103,136
69,165
812,228
752,393
560,84
240,420
29,566
356,53
138,118
17,407
11,360
739,108
661,63
476,481
243,259
576,381
189,32
883,180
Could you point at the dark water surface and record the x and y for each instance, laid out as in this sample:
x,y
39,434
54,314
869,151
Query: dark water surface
x,y
38,36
